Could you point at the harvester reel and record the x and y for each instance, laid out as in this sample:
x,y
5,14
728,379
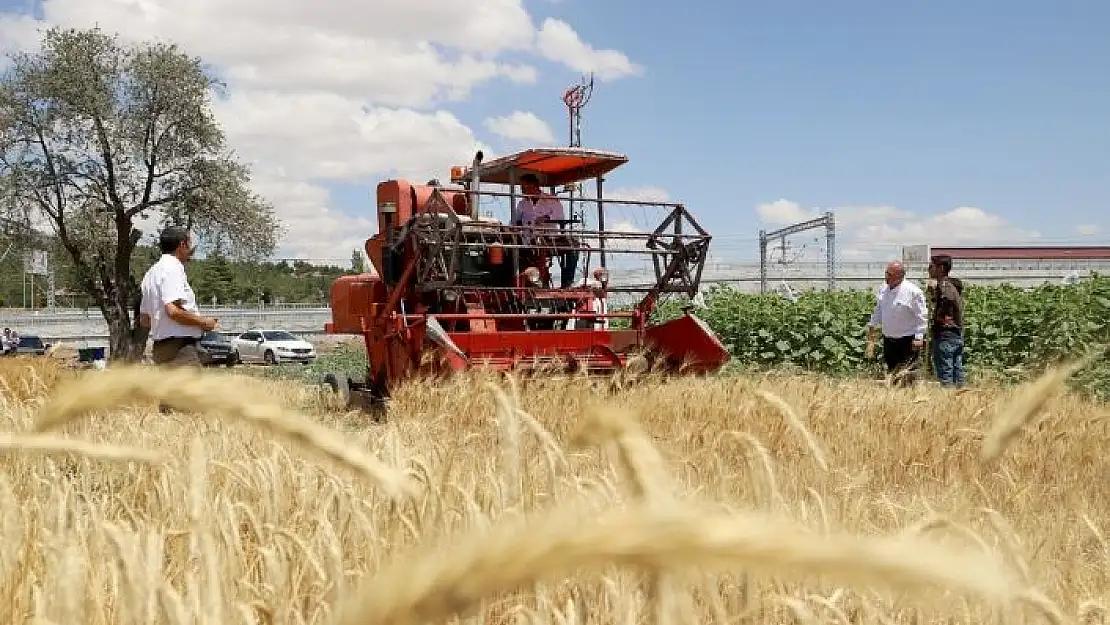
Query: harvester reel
x,y
438,232
680,254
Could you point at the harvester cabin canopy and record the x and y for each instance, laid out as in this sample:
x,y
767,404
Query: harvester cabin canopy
x,y
554,167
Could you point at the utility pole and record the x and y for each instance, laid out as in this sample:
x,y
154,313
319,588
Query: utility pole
x,y
827,222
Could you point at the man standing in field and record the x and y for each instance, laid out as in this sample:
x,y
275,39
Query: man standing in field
x,y
902,314
948,323
169,305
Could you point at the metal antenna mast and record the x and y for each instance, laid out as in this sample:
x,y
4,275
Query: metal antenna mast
x,y
827,222
576,98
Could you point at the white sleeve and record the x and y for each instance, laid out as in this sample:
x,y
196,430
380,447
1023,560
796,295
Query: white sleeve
x,y
921,314
148,299
148,304
173,287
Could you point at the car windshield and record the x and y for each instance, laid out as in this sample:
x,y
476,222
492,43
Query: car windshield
x,y
279,336
30,341
212,337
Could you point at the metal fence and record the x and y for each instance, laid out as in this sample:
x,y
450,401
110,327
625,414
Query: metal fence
x,y
102,340
89,326
9,313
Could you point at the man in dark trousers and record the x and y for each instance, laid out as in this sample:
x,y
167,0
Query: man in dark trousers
x,y
902,314
947,323
169,303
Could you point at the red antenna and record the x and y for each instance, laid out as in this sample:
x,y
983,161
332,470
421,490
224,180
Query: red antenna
x,y
576,98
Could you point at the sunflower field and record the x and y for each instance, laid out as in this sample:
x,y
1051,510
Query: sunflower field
x,y
1010,331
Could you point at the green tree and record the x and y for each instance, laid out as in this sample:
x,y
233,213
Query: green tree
x,y
358,262
98,137
217,281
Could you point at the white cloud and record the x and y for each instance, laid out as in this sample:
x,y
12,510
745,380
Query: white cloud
x,y
1088,230
639,194
322,232
328,136
390,52
521,127
879,232
341,89
783,213
557,41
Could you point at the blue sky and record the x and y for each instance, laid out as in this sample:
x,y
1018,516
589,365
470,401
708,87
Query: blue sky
x,y
925,106
919,108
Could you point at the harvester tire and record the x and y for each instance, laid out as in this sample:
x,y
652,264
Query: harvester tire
x,y
340,385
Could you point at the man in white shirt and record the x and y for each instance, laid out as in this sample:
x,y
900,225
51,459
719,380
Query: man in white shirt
x,y
598,304
535,210
169,305
902,314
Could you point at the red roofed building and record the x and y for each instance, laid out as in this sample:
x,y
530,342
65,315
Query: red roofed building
x,y
1079,253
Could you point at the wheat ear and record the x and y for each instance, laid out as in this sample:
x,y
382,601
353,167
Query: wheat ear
x,y
221,396
1025,405
24,444
437,582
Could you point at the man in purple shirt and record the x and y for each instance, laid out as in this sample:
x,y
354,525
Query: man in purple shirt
x,y
536,210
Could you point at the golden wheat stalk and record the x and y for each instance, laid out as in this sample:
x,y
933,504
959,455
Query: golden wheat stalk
x,y
791,417
1027,403
651,482
441,581
25,444
605,425
216,395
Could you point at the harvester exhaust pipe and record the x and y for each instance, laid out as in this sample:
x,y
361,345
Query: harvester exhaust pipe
x,y
474,181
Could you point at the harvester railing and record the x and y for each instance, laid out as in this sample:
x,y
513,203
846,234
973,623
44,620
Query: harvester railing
x,y
678,256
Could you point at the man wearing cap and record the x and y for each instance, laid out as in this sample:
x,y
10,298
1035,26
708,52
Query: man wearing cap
x,y
170,305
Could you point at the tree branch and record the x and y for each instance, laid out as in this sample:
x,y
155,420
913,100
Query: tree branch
x,y
109,165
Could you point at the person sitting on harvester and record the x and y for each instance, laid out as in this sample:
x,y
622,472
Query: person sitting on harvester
x,y
536,210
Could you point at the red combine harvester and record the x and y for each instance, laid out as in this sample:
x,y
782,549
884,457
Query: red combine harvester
x,y
453,289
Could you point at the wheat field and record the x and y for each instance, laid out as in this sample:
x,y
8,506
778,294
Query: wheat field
x,y
719,501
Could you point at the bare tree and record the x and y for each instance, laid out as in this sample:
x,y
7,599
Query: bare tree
x,y
97,137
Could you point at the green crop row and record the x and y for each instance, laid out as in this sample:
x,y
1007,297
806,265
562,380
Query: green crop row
x,y
1010,331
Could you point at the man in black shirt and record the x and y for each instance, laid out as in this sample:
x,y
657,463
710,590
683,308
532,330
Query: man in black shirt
x,y
947,323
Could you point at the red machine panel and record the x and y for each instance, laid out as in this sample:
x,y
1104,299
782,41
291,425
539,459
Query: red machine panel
x,y
352,299
398,201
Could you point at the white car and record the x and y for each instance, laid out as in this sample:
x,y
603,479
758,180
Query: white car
x,y
271,347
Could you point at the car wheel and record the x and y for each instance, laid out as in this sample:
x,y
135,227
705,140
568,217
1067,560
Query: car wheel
x,y
269,358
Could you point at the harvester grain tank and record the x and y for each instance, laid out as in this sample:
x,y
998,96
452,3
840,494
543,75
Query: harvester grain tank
x,y
453,289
